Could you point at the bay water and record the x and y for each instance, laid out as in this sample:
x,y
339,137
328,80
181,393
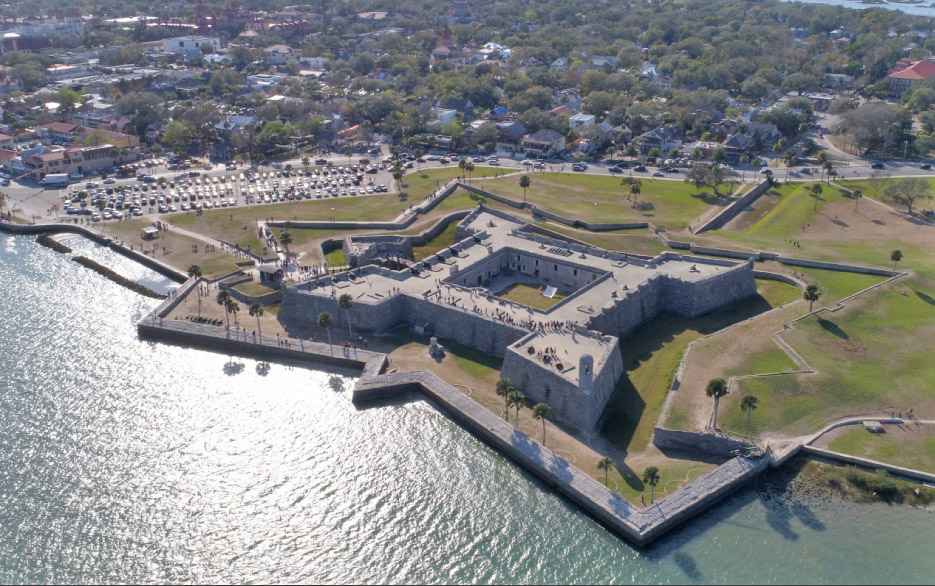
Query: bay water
x,y
131,461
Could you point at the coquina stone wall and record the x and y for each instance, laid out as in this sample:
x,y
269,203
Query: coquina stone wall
x,y
663,293
544,384
370,316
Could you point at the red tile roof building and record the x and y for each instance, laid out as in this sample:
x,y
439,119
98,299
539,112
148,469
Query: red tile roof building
x,y
904,75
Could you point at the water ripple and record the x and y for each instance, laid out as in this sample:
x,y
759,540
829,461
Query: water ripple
x,y
123,460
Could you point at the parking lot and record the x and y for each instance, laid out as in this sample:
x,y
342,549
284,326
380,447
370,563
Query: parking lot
x,y
187,191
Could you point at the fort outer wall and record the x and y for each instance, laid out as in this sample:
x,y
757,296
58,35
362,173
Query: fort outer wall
x,y
543,384
372,316
666,294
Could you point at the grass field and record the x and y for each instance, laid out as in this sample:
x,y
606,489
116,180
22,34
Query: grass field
x,y
255,288
638,241
873,355
530,295
445,239
179,252
868,188
788,220
912,449
651,356
335,258
594,198
673,474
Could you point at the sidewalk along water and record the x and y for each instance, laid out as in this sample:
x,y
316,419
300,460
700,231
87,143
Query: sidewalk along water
x,y
128,460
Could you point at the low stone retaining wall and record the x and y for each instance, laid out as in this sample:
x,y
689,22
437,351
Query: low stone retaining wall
x,y
731,211
814,264
560,219
699,443
771,276
722,252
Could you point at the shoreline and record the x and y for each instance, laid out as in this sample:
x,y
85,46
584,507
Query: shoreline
x,y
638,526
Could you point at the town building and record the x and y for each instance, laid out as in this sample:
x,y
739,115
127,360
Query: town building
x,y
906,73
191,46
544,143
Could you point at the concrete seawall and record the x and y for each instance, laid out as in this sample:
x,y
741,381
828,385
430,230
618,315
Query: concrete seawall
x,y
867,463
606,506
151,263
636,525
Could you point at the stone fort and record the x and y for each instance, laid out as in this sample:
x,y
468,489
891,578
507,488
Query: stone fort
x,y
568,355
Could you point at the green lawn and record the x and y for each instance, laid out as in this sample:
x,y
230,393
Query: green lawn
x,y
914,449
784,223
637,241
601,199
336,258
445,239
836,285
873,355
868,189
651,355
179,248
530,295
254,288
673,474
776,292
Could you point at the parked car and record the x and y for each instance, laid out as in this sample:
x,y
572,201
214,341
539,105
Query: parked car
x,y
877,165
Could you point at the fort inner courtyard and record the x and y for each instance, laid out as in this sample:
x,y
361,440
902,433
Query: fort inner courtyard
x,y
567,355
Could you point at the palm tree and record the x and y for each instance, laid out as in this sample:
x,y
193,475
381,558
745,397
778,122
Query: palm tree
x,y
398,176
346,302
285,238
418,155
748,404
811,295
651,477
256,310
857,194
194,272
470,169
305,162
816,192
828,166
541,411
504,388
517,399
635,188
605,464
233,307
524,183
223,298
717,388
462,164
325,321
896,256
